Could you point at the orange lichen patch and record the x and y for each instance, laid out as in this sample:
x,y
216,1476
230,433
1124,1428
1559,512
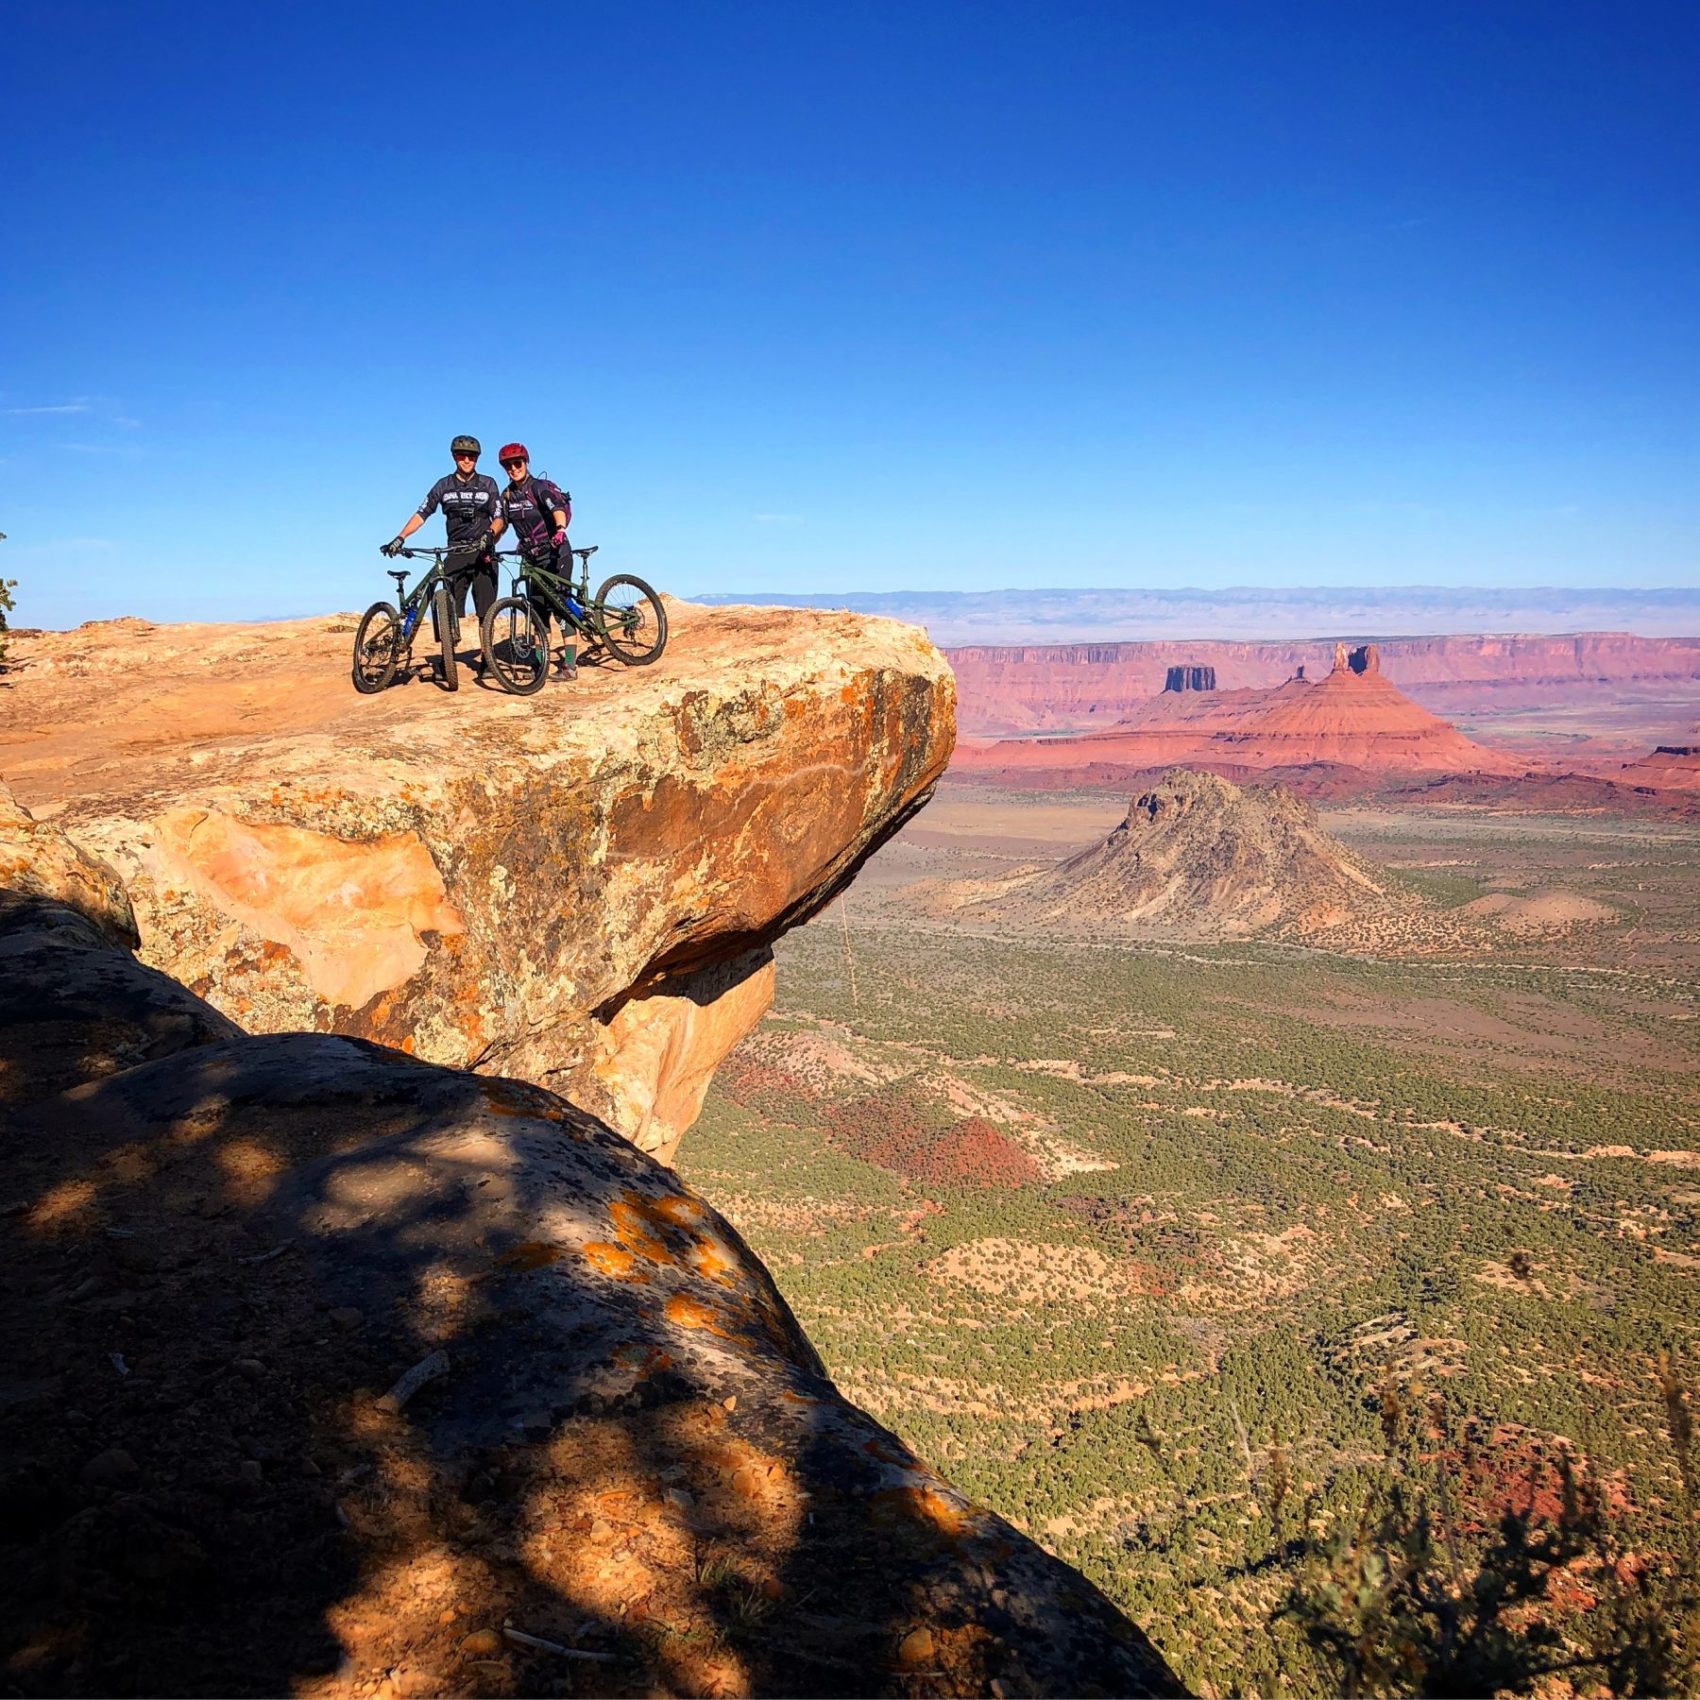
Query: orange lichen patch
x,y
611,1260
686,1312
511,1098
889,1454
352,911
530,1254
679,1208
923,1504
645,1360
59,1204
707,1258
635,1231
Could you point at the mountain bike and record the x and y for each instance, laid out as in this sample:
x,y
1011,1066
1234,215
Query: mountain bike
x,y
384,638
625,617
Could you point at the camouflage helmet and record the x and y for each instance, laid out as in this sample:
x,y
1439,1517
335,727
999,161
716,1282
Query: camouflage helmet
x,y
464,445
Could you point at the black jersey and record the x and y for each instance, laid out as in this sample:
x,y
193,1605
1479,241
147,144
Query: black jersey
x,y
470,506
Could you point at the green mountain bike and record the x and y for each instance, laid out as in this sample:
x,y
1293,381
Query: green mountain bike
x,y
383,641
625,618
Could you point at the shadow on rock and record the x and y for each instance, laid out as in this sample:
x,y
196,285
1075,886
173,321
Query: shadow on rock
x,y
329,1370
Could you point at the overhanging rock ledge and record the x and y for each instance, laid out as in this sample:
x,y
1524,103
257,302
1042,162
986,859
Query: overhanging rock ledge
x,y
579,888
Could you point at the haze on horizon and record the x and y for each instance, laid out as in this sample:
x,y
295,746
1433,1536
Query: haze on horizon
x,y
814,300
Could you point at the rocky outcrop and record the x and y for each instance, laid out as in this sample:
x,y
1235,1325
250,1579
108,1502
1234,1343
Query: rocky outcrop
x,y
578,888
1670,767
1190,679
335,1372
1354,726
1011,689
1199,856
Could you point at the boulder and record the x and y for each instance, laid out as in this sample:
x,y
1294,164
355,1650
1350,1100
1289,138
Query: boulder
x,y
333,1371
577,888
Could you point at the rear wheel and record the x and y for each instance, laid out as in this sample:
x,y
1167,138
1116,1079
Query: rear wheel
x,y
630,620
377,648
516,645
443,613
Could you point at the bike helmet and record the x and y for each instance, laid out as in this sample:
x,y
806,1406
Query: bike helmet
x,y
464,445
513,451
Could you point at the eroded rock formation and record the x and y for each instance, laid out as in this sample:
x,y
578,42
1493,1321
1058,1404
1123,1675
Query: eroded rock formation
x,y
329,1368
1355,726
577,888
1010,689
1201,857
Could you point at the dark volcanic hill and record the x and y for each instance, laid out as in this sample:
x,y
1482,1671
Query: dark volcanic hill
x,y
1200,855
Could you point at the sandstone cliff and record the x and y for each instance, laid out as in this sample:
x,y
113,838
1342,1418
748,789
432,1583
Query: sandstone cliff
x,y
578,888
1035,687
335,1372
1353,727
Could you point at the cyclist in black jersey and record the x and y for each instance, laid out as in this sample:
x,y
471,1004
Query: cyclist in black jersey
x,y
473,518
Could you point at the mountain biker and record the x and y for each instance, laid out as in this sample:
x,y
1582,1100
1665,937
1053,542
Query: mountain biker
x,y
539,512
472,518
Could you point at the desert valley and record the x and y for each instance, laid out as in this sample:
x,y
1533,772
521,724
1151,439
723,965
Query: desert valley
x,y
537,1196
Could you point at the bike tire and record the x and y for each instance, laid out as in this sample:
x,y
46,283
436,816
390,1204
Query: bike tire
x,y
635,632
377,644
518,655
443,614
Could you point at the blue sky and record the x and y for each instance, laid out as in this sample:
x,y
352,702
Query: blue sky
x,y
851,296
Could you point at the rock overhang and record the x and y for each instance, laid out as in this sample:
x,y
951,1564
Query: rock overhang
x,y
539,886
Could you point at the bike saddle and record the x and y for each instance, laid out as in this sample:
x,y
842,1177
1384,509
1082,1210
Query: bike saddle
x,y
585,554
399,574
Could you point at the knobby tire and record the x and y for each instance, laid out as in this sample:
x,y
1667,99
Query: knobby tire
x,y
376,655
626,628
516,645
444,616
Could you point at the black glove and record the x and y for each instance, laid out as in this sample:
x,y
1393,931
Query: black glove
x,y
393,548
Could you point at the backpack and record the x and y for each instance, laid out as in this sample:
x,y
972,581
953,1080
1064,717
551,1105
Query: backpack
x,y
549,496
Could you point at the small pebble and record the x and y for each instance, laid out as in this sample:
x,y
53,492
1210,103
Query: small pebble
x,y
916,1648
346,1316
250,1367
481,1643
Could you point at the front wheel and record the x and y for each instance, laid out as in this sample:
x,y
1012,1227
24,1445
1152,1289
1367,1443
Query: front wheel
x,y
516,645
630,620
443,613
377,648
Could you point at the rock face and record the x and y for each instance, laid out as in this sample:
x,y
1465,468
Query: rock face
x,y
578,888
1010,689
1200,856
1354,722
1190,679
324,1362
1671,767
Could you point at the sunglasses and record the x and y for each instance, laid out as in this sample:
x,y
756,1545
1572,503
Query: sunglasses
x,y
466,457
511,464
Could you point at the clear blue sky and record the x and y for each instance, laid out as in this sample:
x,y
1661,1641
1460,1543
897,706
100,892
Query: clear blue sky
x,y
830,296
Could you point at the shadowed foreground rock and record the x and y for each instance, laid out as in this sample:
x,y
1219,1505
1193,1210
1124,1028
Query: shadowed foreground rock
x,y
616,1467
577,888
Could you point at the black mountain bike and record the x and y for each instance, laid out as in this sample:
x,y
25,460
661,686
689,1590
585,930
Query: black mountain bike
x,y
383,641
624,617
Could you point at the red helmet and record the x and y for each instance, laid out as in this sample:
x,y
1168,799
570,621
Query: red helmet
x,y
513,451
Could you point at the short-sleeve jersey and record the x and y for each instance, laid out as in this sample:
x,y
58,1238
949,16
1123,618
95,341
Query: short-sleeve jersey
x,y
470,506
530,509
